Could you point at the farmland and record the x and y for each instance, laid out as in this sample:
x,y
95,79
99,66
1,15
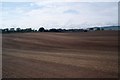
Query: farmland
x,y
60,55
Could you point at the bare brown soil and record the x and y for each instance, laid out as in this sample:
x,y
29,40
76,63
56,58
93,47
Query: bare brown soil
x,y
60,55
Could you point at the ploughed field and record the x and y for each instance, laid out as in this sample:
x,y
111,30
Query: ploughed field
x,y
60,55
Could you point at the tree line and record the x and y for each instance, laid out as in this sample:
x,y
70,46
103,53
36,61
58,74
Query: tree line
x,y
41,29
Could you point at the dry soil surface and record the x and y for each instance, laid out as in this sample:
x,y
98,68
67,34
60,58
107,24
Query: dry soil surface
x,y
60,55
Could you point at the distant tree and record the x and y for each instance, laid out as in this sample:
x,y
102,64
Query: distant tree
x,y
102,29
18,30
85,30
41,29
12,30
53,30
98,29
28,30
35,30
5,30
59,30
46,30
91,29
0,30
63,30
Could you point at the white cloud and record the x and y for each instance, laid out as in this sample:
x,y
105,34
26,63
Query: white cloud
x,y
60,0
53,15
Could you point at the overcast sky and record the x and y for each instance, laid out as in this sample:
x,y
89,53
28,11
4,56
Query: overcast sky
x,y
58,14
